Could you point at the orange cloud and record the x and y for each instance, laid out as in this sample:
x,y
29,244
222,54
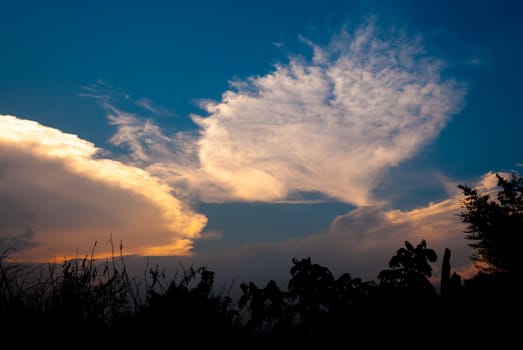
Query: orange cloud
x,y
60,188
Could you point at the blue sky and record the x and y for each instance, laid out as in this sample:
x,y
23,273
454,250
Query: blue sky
x,y
244,133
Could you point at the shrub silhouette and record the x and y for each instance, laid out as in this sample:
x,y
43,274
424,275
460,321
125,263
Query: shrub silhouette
x,y
89,294
188,308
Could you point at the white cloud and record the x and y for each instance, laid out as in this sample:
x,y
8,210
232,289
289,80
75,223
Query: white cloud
x,y
334,124
58,190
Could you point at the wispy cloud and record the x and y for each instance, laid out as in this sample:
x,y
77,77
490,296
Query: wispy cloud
x,y
333,124
61,187
104,92
153,107
211,235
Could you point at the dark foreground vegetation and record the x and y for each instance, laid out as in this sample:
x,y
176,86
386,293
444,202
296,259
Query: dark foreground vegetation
x,y
316,309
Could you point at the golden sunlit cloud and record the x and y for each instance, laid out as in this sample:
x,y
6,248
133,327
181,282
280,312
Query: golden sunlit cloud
x,y
59,194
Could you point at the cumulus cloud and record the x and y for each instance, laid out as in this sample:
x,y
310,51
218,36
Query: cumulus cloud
x,y
332,124
60,192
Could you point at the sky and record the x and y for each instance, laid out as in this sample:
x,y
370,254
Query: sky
x,y
241,134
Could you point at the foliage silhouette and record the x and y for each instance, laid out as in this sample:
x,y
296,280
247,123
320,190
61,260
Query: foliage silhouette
x,y
267,308
410,269
495,227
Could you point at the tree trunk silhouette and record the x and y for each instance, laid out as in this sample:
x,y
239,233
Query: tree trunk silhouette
x,y
445,273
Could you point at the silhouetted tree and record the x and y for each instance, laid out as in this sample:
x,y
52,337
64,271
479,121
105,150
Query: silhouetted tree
x,y
315,308
410,269
312,290
496,226
325,306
